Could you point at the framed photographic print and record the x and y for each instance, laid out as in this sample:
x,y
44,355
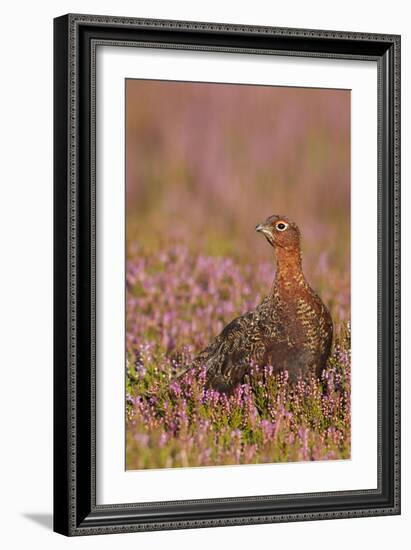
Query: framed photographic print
x,y
227,278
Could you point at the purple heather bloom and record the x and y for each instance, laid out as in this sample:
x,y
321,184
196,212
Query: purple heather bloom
x,y
176,303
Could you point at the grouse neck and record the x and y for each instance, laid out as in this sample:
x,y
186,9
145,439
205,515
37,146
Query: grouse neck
x,y
288,267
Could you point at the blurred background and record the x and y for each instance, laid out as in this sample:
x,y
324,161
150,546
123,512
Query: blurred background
x,y
206,162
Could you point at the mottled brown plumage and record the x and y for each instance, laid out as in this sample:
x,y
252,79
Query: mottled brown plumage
x,y
291,329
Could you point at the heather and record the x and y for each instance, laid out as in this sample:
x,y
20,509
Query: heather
x,y
176,302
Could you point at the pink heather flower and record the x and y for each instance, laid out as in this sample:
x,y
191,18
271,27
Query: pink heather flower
x,y
175,388
176,302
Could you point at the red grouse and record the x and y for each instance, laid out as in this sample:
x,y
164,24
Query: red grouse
x,y
290,330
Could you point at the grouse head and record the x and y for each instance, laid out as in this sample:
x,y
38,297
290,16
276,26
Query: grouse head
x,y
280,232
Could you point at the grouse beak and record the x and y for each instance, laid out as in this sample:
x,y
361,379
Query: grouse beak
x,y
266,231
261,228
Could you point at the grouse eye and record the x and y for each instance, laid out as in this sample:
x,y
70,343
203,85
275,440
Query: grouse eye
x,y
281,226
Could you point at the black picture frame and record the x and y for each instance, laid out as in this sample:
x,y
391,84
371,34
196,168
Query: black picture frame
x,y
75,509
